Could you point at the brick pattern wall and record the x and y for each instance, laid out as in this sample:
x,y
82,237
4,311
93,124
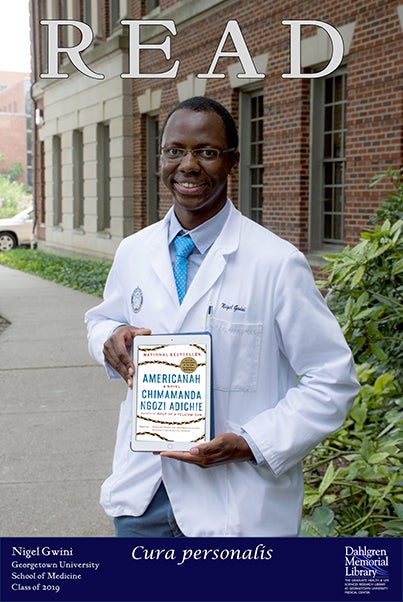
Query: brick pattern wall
x,y
374,102
374,96
13,135
13,126
374,117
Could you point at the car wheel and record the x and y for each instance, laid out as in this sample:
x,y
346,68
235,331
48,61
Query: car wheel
x,y
7,241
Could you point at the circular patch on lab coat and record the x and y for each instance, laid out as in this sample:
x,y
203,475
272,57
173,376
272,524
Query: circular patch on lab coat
x,y
136,300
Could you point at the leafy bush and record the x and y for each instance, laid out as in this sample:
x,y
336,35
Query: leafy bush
x,y
366,291
13,197
353,479
81,274
392,207
14,172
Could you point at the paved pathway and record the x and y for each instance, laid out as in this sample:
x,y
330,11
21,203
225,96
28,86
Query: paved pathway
x,y
58,413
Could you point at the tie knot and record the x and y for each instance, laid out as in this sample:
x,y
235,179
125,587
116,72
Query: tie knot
x,y
184,245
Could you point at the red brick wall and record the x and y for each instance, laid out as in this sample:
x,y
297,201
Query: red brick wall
x,y
374,139
13,127
374,102
13,141
374,113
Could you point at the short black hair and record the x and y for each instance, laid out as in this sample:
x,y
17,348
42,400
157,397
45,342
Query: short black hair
x,y
205,104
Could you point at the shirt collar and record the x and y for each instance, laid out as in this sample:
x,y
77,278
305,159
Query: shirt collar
x,y
204,235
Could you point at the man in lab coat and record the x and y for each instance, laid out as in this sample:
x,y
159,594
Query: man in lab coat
x,y
283,374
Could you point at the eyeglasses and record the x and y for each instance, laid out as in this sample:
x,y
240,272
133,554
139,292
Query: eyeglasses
x,y
174,154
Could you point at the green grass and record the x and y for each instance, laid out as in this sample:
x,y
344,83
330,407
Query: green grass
x,y
83,275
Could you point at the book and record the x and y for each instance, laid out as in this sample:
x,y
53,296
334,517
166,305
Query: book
x,y
171,407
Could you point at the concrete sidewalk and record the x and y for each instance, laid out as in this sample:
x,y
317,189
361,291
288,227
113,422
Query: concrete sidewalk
x,y
58,413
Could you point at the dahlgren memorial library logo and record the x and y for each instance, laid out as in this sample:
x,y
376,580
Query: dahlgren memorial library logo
x,y
366,569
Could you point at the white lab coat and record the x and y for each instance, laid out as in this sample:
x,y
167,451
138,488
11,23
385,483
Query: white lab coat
x,y
269,324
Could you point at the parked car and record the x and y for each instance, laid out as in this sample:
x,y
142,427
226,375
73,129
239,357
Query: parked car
x,y
16,231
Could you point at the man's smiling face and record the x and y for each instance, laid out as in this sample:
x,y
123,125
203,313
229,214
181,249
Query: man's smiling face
x,y
198,188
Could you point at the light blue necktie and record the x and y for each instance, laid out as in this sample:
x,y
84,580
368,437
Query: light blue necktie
x,y
184,245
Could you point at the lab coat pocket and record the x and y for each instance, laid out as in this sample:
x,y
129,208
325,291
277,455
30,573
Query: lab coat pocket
x,y
236,354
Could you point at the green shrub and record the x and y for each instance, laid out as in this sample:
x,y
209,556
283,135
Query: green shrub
x,y
81,274
365,293
353,480
13,197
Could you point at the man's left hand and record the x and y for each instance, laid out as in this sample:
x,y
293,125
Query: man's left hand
x,y
224,448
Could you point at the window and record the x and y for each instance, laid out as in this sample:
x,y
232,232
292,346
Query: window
x,y
78,179
42,38
328,160
114,14
150,5
251,167
103,177
63,9
29,169
28,121
63,30
153,160
87,12
29,152
40,183
57,180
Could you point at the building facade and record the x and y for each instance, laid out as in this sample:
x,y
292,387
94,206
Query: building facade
x,y
15,123
310,144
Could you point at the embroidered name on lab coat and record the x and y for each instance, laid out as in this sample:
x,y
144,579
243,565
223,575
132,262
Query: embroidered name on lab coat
x,y
233,307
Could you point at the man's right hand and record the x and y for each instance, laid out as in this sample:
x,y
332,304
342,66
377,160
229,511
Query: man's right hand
x,y
117,347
